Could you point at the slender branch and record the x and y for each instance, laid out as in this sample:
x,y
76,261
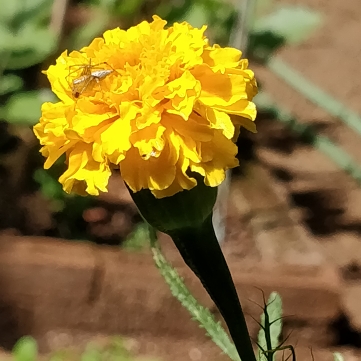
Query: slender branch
x,y
58,16
239,37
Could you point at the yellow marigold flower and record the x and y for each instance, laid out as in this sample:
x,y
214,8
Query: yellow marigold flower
x,y
152,101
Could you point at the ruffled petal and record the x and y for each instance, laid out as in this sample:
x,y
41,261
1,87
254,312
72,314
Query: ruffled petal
x,y
156,102
84,173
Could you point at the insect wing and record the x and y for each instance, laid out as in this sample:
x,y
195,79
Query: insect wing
x,y
101,73
81,84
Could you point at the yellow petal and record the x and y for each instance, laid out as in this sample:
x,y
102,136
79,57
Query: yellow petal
x,y
83,169
219,89
153,173
154,101
221,58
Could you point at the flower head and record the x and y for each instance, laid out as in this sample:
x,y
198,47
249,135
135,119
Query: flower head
x,y
158,103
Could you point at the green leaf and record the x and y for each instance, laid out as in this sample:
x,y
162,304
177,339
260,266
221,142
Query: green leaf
x,y
26,349
15,13
294,24
129,7
173,11
108,4
91,354
49,185
275,314
138,240
60,355
32,11
25,108
116,351
338,357
30,46
268,336
10,83
264,101
196,15
6,42
9,9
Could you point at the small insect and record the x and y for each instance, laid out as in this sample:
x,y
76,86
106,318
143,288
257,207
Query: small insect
x,y
87,78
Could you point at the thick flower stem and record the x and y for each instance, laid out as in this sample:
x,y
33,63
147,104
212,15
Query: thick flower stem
x,y
201,251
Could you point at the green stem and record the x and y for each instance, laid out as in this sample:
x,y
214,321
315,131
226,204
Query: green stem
x,y
199,313
200,249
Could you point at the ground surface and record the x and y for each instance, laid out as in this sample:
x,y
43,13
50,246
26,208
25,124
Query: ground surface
x,y
329,200
293,208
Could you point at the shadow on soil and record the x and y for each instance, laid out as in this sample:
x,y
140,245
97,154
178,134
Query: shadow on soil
x,y
324,209
322,217
345,334
11,327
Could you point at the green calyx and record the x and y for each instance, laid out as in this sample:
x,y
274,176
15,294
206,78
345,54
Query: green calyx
x,y
186,209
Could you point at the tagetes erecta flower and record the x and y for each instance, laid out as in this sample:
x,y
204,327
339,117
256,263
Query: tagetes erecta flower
x,y
158,103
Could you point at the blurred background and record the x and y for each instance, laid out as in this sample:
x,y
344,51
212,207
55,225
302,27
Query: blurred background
x,y
76,271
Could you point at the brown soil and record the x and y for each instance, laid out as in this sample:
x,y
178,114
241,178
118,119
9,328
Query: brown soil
x,y
328,199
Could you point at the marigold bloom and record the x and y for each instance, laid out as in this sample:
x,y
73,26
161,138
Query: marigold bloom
x,y
154,102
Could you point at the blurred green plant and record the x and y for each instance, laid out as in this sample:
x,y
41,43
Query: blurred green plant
x,y
290,26
25,38
219,14
23,108
307,134
86,32
277,26
337,357
26,349
114,350
138,240
315,94
67,208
